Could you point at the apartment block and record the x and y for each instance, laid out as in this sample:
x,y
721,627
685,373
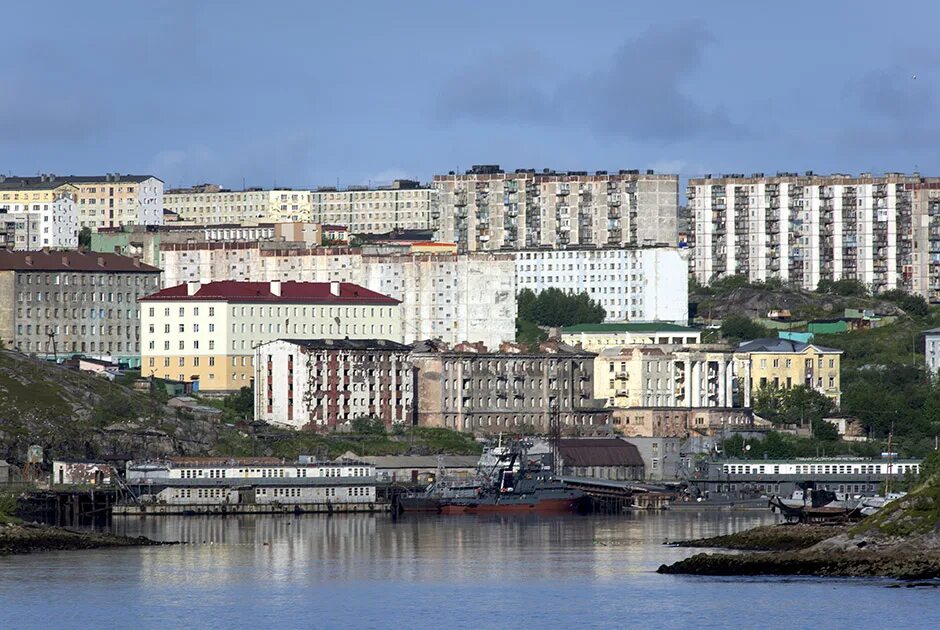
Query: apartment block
x,y
444,296
470,388
208,332
147,241
883,231
663,376
38,213
105,201
319,384
60,304
210,204
645,284
783,363
597,337
404,205
488,209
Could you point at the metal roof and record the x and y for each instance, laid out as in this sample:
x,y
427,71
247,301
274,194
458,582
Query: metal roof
x,y
599,452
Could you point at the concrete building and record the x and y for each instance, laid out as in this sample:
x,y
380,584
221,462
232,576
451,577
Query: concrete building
x,y
147,241
208,332
489,209
418,469
38,213
883,231
660,376
643,284
932,350
81,473
600,458
679,422
108,200
210,204
404,205
784,364
447,297
663,459
597,337
59,304
468,388
319,384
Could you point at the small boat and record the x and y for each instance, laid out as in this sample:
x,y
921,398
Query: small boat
x,y
812,505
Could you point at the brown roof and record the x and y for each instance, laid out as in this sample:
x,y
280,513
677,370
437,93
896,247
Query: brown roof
x,y
599,452
70,260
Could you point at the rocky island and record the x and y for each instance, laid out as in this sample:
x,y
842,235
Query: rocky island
x,y
900,541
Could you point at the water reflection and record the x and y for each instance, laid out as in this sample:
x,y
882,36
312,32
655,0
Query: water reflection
x,y
427,548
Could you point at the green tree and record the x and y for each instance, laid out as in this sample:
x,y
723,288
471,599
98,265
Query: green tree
x,y
367,425
741,328
84,238
794,405
554,307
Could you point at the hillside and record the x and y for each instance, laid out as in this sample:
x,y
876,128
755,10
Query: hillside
x,y
755,302
76,415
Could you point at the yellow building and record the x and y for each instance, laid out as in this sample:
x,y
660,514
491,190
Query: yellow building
x,y
784,364
208,332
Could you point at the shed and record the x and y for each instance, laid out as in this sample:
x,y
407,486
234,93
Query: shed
x,y
601,458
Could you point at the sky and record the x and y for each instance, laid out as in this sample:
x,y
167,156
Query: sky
x,y
307,94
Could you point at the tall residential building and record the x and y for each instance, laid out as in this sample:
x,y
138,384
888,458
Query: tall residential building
x,y
468,388
208,332
404,205
322,383
487,209
211,204
38,213
645,284
883,231
444,296
59,304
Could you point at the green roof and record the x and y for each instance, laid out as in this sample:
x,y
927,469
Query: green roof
x,y
637,327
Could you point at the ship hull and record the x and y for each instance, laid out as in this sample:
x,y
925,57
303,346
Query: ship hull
x,y
545,506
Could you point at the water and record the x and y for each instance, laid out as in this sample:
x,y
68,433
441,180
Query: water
x,y
430,572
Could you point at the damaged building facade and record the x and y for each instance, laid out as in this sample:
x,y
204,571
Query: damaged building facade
x,y
469,388
320,384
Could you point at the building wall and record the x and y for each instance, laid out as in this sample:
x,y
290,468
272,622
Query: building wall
x,y
89,313
215,340
804,229
118,202
637,284
678,422
598,341
488,209
812,367
43,216
492,393
447,297
375,211
211,205
320,388
931,347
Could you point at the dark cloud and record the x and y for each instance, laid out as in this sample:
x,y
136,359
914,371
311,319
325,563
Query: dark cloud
x,y
641,95
638,94
512,87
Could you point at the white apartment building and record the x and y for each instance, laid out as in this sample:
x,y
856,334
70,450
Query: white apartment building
x,y
632,284
209,332
449,297
404,205
883,231
323,383
106,201
932,350
42,213
490,209
210,204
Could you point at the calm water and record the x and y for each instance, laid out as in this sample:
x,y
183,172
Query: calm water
x,y
430,572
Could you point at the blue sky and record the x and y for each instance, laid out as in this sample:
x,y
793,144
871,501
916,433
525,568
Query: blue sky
x,y
304,94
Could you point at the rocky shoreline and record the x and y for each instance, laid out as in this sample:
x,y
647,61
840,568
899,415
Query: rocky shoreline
x,y
34,538
784,537
813,550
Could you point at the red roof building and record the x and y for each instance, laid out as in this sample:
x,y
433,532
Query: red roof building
x,y
276,291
